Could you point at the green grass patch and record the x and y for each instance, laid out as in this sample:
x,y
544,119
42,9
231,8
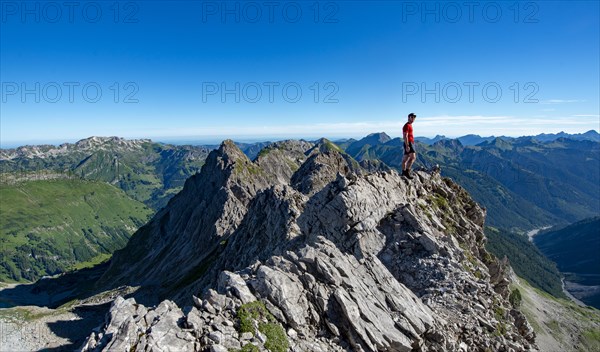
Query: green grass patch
x,y
267,324
276,338
439,202
500,329
293,166
445,212
99,259
242,168
499,313
20,315
590,341
264,151
332,146
253,311
515,298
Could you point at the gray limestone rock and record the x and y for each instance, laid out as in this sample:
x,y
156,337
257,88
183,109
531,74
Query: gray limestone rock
x,y
193,319
237,285
343,258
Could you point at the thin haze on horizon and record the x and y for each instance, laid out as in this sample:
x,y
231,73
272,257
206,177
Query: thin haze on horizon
x,y
217,140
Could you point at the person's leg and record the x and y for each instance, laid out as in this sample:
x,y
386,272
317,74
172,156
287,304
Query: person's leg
x,y
412,156
405,161
411,159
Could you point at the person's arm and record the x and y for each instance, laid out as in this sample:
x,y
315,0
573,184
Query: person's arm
x,y
405,137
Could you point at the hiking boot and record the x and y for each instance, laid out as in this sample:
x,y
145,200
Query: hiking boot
x,y
403,173
408,175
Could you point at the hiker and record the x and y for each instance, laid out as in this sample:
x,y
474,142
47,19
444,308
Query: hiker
x,y
409,146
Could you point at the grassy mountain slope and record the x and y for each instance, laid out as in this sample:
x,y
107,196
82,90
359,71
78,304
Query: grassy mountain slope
x,y
560,325
49,226
68,206
148,172
526,260
560,177
505,208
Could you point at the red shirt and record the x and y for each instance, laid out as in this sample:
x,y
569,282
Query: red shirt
x,y
408,129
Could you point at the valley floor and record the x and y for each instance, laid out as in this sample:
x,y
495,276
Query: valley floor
x,y
34,327
578,288
534,232
560,325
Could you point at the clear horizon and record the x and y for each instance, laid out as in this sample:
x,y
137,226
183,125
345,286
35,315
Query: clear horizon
x,y
170,70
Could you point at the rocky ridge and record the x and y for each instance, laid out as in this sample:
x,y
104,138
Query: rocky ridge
x,y
341,259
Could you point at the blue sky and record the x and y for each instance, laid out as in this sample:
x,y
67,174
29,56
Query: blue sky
x,y
208,70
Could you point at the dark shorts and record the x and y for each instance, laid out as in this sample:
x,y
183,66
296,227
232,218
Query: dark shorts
x,y
411,149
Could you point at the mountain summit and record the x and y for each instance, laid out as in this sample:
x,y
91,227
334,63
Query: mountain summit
x,y
303,249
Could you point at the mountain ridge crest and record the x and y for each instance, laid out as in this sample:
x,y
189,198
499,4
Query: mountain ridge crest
x,y
342,257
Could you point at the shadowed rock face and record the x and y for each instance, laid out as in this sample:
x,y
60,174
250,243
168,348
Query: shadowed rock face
x,y
344,259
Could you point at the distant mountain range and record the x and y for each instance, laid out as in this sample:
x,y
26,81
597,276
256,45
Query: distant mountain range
x,y
147,171
473,139
523,182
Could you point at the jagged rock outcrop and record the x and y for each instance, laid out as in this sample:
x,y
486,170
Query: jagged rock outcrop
x,y
342,259
171,251
326,161
282,159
